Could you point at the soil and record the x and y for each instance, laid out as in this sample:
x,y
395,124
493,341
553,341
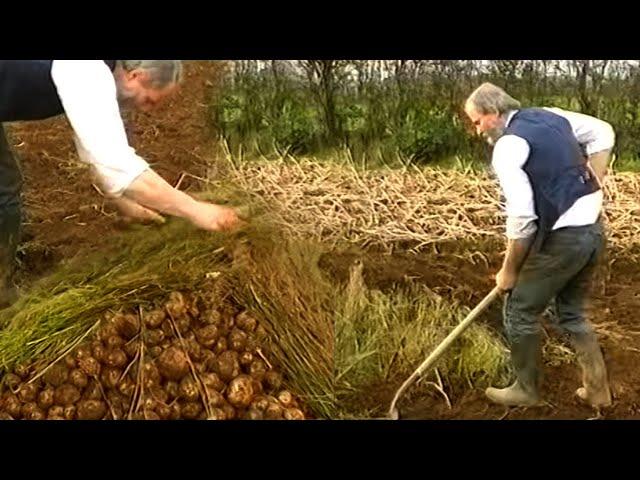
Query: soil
x,y
450,272
65,216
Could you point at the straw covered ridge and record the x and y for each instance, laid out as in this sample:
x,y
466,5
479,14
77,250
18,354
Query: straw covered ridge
x,y
411,208
282,285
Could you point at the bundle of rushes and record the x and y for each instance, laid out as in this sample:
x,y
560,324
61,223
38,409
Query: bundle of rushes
x,y
381,337
410,208
145,266
296,303
184,360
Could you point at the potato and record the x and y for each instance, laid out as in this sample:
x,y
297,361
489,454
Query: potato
x,y
173,364
240,391
91,410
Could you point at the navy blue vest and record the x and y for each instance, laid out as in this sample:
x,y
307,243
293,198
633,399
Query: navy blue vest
x,y
27,91
556,166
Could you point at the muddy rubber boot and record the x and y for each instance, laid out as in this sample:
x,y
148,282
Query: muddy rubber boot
x,y
524,391
595,389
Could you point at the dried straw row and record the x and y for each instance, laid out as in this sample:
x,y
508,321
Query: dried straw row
x,y
412,208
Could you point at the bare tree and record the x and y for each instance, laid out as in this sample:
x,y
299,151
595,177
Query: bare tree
x,y
589,75
324,78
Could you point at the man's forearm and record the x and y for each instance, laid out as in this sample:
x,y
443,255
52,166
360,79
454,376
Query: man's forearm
x,y
516,254
152,191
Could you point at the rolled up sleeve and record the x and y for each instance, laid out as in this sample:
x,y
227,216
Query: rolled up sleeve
x,y
87,91
509,156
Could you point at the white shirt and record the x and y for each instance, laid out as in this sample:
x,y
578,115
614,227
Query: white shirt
x,y
87,90
510,154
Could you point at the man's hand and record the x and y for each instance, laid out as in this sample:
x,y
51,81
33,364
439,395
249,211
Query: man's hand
x,y
209,216
515,256
131,211
150,190
506,280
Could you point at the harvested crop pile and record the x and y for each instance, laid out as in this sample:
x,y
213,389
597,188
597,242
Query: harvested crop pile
x,y
184,360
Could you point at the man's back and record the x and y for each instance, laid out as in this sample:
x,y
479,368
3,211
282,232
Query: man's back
x,y
27,91
550,139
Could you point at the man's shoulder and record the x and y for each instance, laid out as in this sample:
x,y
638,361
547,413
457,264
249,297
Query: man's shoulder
x,y
25,67
533,122
533,112
506,148
85,74
510,140
81,65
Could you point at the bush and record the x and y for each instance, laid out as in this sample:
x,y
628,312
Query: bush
x,y
416,118
428,134
295,126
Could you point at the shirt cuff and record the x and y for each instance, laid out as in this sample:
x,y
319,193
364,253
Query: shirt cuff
x,y
114,182
605,142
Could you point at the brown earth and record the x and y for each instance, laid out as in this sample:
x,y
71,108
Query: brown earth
x,y
65,215
454,274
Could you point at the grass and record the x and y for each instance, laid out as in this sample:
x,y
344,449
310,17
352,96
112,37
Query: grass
x,y
382,337
627,164
291,297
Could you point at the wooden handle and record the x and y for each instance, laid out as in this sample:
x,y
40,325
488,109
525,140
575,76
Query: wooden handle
x,y
442,347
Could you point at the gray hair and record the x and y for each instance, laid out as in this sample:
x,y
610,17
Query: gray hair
x,y
488,98
161,72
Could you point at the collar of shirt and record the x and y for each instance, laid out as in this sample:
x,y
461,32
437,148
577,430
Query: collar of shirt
x,y
510,115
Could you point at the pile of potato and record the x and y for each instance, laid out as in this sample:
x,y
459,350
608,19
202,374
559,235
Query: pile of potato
x,y
184,360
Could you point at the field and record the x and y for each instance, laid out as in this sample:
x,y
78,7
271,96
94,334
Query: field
x,y
349,277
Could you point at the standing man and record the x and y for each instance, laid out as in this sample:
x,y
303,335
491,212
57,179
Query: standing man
x,y
90,93
553,203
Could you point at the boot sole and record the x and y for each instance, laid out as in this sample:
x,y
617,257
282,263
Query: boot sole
x,y
581,393
533,403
